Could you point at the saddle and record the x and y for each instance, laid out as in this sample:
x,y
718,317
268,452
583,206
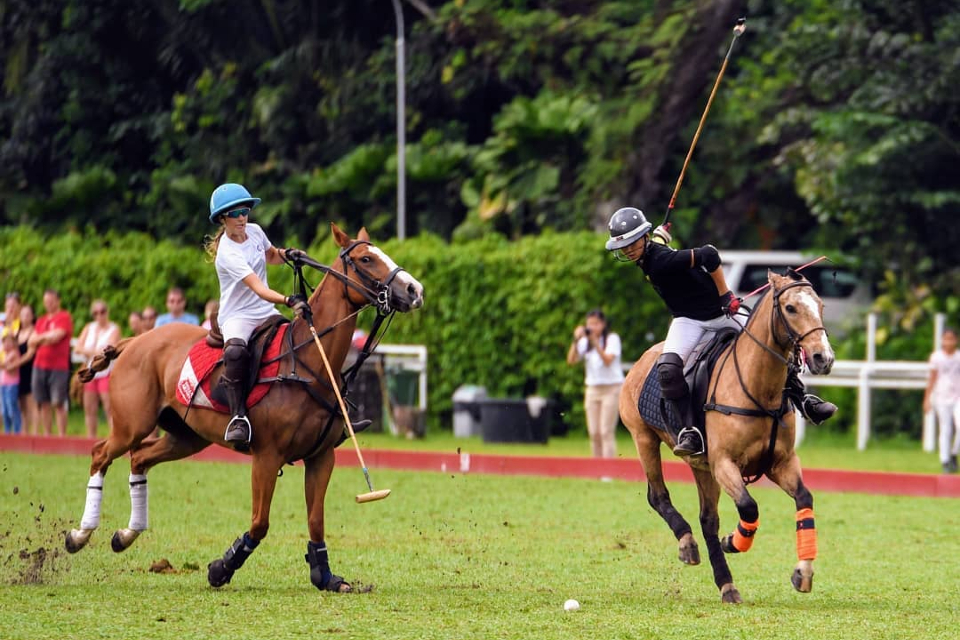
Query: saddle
x,y
259,340
697,371
197,385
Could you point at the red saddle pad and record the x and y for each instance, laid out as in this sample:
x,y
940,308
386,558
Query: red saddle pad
x,y
193,388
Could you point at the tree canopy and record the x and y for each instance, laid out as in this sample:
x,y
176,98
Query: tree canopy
x,y
836,125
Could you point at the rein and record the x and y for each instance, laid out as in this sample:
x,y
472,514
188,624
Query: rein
x,y
375,293
792,364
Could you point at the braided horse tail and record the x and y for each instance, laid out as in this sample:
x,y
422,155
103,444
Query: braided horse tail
x,y
102,361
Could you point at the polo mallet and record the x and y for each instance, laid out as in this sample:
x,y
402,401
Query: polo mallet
x,y
372,495
800,268
737,32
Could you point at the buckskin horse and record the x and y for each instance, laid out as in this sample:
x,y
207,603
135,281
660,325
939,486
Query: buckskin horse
x,y
749,429
295,420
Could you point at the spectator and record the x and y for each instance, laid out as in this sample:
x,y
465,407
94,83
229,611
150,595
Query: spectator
x,y
176,303
600,349
209,309
943,395
9,382
135,322
51,366
28,407
93,339
148,318
11,314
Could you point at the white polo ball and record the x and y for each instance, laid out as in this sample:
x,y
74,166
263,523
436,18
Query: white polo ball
x,y
571,605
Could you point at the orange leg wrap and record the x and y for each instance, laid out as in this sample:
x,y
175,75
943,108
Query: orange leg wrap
x,y
743,535
806,535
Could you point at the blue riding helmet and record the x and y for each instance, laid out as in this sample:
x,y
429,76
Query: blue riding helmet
x,y
627,226
227,196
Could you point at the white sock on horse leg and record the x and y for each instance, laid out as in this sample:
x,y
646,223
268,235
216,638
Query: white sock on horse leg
x,y
138,502
91,511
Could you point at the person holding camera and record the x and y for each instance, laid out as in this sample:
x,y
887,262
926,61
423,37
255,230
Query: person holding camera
x,y
599,349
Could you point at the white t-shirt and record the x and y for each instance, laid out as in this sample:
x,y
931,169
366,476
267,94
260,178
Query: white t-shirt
x,y
596,371
947,387
235,261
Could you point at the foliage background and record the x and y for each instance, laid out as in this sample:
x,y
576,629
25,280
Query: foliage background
x,y
836,129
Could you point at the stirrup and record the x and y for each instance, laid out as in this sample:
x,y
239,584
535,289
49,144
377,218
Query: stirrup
x,y
235,432
696,451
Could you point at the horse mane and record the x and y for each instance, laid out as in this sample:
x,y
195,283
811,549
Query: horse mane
x,y
102,361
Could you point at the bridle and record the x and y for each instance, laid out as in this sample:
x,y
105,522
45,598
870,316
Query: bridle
x,y
793,336
375,292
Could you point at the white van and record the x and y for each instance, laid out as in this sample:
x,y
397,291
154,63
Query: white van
x,y
846,296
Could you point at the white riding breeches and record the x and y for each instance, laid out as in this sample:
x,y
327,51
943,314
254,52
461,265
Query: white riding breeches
x,y
241,327
685,333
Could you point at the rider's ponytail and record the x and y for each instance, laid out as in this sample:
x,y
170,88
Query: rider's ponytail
x,y
212,243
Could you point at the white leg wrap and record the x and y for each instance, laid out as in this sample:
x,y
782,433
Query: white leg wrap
x,y
91,511
138,502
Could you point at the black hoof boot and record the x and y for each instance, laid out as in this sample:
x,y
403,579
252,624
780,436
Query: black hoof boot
x,y
320,574
220,571
218,574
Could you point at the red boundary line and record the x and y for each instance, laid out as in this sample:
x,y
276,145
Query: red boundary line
x,y
877,483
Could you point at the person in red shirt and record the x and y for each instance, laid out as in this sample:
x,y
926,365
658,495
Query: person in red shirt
x,y
51,365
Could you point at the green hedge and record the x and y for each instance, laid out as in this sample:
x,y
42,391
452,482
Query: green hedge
x,y
497,313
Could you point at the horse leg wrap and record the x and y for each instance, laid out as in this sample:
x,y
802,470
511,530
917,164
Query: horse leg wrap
x,y
319,562
742,538
138,502
239,551
806,535
91,510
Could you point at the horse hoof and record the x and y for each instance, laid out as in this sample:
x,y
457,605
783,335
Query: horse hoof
x,y
726,543
730,595
689,551
802,578
218,574
77,539
122,539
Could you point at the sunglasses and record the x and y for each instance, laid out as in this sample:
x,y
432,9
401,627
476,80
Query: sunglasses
x,y
98,312
236,213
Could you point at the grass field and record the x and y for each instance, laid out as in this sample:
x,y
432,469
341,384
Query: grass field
x,y
455,556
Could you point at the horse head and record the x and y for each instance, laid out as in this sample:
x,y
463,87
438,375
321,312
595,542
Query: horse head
x,y
799,311
374,277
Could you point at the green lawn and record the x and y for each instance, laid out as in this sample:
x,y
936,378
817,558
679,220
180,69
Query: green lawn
x,y
454,556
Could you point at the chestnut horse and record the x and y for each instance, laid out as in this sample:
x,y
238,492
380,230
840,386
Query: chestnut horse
x,y
756,438
288,424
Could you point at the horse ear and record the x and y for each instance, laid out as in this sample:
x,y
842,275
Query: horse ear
x,y
363,235
339,236
772,277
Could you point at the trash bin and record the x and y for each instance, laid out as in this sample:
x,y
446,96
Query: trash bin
x,y
508,420
466,410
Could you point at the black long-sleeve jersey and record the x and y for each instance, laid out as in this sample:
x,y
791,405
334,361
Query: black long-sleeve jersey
x,y
689,291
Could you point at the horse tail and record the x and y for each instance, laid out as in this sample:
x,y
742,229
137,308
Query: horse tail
x,y
102,361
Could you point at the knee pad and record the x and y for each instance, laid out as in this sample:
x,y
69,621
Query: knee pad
x,y
670,374
235,350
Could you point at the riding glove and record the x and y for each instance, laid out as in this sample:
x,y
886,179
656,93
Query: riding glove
x,y
294,255
730,304
299,305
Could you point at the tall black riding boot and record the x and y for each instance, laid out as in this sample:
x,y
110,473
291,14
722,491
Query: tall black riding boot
x,y
236,361
813,408
673,388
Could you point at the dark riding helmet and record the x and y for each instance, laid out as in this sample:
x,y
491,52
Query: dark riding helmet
x,y
627,226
